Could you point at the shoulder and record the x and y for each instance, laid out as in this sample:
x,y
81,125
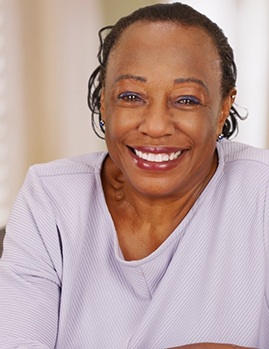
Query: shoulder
x,y
87,163
244,170
239,154
65,179
64,190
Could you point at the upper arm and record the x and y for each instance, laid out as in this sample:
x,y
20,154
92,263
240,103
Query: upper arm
x,y
30,271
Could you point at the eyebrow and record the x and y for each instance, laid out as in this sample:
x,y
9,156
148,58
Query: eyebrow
x,y
130,77
197,81
176,81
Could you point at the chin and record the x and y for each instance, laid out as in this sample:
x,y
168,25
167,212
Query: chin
x,y
153,188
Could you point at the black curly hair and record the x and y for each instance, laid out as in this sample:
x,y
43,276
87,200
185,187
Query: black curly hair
x,y
177,13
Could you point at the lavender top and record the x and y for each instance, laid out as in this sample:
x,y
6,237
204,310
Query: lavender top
x,y
64,283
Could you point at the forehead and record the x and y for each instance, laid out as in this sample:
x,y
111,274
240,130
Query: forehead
x,y
165,43
158,32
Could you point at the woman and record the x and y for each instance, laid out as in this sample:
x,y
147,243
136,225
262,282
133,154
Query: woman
x,y
161,242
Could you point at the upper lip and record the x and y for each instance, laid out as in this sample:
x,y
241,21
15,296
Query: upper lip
x,y
156,149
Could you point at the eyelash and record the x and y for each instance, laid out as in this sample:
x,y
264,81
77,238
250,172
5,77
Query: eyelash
x,y
188,100
129,97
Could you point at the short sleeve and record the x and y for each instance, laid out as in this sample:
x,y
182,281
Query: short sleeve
x,y
30,271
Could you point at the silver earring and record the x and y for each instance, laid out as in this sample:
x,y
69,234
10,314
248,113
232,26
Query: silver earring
x,y
102,123
220,136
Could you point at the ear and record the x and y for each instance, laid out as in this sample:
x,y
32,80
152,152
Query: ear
x,y
225,110
102,104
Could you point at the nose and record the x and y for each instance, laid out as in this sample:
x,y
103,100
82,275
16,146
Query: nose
x,y
157,120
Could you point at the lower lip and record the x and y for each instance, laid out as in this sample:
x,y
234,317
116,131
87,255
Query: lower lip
x,y
156,166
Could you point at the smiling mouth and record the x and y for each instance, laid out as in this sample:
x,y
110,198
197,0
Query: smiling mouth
x,y
159,157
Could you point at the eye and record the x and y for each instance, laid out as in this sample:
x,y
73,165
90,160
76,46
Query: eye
x,y
188,101
130,97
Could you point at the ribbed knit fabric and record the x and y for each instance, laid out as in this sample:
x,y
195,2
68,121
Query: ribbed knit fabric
x,y
64,283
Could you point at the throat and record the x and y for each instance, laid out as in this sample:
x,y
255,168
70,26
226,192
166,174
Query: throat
x,y
143,224
136,243
142,230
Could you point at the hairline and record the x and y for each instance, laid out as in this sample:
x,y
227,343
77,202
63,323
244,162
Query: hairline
x,y
176,23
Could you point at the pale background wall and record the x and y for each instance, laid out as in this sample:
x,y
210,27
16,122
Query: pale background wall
x,y
47,51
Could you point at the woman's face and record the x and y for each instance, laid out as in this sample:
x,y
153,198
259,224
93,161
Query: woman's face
x,y
163,107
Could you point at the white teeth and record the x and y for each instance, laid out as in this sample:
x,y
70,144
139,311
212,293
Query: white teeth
x,y
143,156
152,157
158,158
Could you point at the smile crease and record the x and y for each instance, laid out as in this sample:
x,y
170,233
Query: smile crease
x,y
152,157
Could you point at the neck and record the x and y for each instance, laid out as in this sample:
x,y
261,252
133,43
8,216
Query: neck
x,y
142,222
120,192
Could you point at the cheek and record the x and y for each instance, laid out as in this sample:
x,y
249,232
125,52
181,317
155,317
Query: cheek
x,y
119,122
200,126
